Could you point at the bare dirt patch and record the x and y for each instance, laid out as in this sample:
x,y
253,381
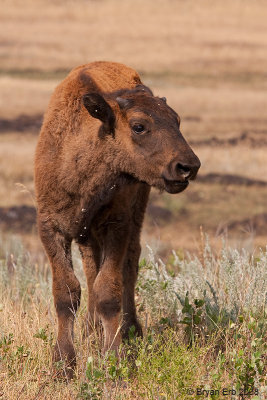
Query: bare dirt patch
x,y
23,123
252,138
18,218
256,225
228,179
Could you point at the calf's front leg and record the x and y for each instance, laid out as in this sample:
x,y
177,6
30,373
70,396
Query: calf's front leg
x,y
130,271
108,285
66,291
131,263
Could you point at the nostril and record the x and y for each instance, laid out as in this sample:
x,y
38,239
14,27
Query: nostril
x,y
183,170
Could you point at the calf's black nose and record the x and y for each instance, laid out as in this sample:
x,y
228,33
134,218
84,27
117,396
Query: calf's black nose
x,y
182,170
187,171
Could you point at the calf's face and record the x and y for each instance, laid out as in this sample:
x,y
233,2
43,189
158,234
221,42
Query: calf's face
x,y
147,132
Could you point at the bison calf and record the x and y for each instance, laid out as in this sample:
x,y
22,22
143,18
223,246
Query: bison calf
x,y
105,141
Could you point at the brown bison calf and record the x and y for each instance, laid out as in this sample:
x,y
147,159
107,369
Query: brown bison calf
x,y
104,142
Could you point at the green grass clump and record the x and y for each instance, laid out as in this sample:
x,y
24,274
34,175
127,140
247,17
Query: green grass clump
x,y
204,331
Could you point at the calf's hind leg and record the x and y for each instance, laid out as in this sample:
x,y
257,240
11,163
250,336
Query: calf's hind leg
x,y
66,291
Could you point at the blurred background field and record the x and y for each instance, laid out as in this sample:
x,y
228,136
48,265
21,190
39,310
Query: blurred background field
x,y
209,59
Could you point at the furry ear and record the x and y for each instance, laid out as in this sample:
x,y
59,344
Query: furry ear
x,y
143,88
125,103
98,108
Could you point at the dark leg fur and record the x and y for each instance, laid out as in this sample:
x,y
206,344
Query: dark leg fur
x,y
108,285
130,269
90,252
66,292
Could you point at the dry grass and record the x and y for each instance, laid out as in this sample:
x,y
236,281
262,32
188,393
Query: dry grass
x,y
221,116
16,169
221,111
210,37
24,96
238,160
205,112
211,206
165,365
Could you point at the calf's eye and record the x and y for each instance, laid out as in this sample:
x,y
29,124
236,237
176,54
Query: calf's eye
x,y
138,128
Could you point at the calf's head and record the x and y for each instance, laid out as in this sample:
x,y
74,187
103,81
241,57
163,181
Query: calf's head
x,y
146,137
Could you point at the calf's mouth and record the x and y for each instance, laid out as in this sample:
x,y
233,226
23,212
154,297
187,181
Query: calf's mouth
x,y
175,186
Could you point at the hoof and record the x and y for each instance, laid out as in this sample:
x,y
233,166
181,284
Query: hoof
x,y
131,329
64,360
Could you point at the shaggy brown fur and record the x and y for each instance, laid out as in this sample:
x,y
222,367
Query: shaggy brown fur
x,y
104,142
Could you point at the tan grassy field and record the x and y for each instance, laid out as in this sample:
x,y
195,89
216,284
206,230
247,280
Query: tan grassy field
x,y
209,59
205,111
204,37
